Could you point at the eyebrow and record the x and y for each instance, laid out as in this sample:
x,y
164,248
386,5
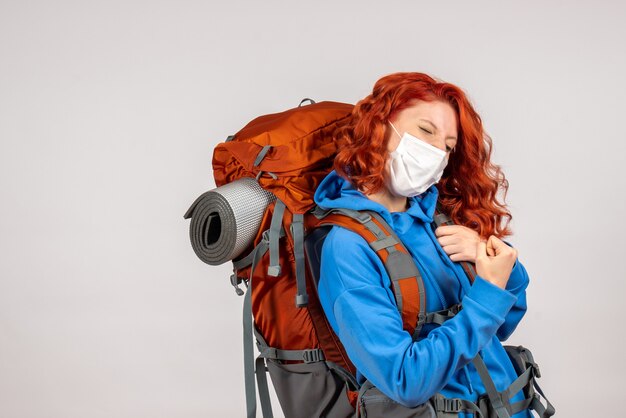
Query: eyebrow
x,y
435,126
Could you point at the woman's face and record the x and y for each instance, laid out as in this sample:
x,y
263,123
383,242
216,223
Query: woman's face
x,y
433,122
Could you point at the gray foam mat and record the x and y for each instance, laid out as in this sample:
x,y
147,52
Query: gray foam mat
x,y
225,220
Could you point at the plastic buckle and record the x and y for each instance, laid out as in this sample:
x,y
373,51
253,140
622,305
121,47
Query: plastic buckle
x,y
453,405
449,405
313,356
236,281
273,271
535,367
421,319
319,212
302,301
456,309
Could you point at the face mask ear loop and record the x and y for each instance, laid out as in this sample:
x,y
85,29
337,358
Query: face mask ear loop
x,y
394,128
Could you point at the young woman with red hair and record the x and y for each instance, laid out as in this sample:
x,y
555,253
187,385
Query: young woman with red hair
x,y
412,142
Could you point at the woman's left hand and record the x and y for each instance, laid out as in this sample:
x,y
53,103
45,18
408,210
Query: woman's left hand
x,y
458,241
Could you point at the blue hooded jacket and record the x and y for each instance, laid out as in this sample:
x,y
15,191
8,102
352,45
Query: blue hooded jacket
x,y
355,293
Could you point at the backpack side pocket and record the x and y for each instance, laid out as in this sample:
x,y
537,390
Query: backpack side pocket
x,y
374,404
308,390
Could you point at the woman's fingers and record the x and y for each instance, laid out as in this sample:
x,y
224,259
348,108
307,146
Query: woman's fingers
x,y
481,249
495,260
458,242
492,247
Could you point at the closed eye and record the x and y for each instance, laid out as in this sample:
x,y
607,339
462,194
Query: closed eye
x,y
426,130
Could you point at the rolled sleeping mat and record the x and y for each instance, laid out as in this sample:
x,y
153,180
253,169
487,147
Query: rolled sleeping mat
x,y
225,220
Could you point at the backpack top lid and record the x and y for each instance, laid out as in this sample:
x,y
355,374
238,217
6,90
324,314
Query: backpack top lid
x,y
289,152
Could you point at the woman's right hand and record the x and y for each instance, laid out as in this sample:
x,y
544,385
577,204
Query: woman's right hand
x,y
495,261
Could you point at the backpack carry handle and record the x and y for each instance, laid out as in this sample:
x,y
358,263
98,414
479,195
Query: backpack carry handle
x,y
304,100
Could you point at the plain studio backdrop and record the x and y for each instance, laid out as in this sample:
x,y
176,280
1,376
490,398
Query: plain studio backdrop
x,y
109,113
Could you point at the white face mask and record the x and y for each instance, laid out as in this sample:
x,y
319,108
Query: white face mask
x,y
414,166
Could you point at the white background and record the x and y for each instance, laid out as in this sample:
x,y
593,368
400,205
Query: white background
x,y
109,112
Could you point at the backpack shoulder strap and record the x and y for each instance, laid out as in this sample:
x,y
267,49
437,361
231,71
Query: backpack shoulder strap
x,y
407,283
440,218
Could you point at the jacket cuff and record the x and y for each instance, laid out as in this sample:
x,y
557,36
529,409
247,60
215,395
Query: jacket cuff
x,y
491,297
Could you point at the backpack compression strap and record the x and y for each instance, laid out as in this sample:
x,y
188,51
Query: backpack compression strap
x,y
499,401
405,277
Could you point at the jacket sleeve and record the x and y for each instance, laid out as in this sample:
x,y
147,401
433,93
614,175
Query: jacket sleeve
x,y
517,284
355,293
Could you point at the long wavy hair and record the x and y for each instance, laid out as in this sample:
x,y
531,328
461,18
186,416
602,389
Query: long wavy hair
x,y
469,185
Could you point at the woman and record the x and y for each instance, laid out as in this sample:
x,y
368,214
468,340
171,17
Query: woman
x,y
410,143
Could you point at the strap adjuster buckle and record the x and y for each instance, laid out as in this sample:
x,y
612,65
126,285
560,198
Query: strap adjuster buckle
x,y
313,355
449,405
236,281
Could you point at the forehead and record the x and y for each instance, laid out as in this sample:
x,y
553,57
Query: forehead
x,y
442,114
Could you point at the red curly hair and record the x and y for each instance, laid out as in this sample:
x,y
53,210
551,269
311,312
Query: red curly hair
x,y
470,182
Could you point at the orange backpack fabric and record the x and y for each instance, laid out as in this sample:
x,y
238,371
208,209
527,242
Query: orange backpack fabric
x,y
290,153
300,152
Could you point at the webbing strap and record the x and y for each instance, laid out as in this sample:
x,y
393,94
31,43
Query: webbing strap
x,y
454,406
247,260
261,155
407,283
383,241
528,379
244,262
540,409
264,392
413,292
543,411
260,341
521,405
495,397
441,218
248,355
362,217
519,383
470,270
248,347
442,316
297,231
274,231
387,242
353,384
312,355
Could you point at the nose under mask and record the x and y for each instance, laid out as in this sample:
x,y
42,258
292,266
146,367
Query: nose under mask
x,y
414,166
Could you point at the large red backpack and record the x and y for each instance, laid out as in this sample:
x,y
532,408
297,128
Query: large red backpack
x,y
289,154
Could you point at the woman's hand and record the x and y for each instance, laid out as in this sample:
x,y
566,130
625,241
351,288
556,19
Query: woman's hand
x,y
458,241
495,261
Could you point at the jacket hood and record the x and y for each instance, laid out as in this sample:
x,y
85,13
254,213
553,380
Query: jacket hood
x,y
337,192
